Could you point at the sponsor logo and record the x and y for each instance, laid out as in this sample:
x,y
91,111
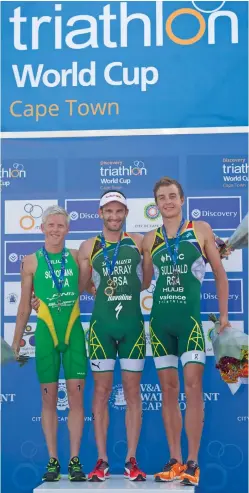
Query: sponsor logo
x,y
15,252
209,298
24,216
84,215
12,295
151,212
74,215
143,215
151,396
118,173
13,257
196,213
117,399
14,172
86,303
118,310
12,298
235,172
62,403
222,213
27,344
97,365
146,298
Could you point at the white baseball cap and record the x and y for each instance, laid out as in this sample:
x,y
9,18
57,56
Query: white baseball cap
x,y
112,196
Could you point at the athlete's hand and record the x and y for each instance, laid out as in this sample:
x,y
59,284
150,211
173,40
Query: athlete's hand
x,y
16,349
93,290
35,302
225,252
224,322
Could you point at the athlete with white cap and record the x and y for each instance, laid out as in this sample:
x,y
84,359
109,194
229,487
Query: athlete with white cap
x,y
114,263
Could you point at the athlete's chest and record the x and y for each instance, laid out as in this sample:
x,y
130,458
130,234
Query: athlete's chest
x,y
123,261
47,276
184,251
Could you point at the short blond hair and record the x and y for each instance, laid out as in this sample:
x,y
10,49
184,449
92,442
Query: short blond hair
x,y
54,210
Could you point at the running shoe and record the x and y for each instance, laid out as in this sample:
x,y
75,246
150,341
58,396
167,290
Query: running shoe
x,y
133,472
100,472
53,471
172,470
75,471
192,474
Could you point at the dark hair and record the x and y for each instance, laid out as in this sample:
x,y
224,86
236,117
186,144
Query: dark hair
x,y
166,182
111,190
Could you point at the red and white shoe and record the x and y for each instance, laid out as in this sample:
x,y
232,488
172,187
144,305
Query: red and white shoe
x,y
132,471
100,472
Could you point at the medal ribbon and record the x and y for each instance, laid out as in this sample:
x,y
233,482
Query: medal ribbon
x,y
110,264
57,281
173,254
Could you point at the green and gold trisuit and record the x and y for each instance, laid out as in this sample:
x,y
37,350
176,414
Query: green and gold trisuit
x,y
117,324
175,322
59,330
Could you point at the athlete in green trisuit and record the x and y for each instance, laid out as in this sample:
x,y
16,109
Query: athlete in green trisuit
x,y
113,260
179,251
53,273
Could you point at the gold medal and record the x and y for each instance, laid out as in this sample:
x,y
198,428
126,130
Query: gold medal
x,y
109,291
110,288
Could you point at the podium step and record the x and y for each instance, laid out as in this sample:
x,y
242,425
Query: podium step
x,y
116,484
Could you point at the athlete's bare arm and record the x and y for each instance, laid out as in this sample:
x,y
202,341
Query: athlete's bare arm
x,y
148,269
28,268
84,257
206,238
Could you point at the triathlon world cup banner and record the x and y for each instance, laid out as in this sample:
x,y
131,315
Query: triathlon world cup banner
x,y
99,65
74,173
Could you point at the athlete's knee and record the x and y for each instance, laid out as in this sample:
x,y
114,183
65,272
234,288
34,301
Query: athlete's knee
x,y
170,389
102,392
193,388
132,393
49,399
75,398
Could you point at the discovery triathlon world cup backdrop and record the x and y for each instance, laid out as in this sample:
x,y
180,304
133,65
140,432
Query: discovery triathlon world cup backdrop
x,y
88,106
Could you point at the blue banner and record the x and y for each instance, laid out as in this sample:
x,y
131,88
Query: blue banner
x,y
70,65
79,167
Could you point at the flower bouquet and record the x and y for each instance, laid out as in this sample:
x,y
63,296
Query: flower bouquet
x,y
238,240
8,355
230,352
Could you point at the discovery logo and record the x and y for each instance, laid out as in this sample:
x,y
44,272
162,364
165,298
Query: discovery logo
x,y
222,213
15,251
209,298
84,215
86,303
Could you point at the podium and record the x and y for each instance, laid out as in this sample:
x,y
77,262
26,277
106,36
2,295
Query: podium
x,y
115,484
